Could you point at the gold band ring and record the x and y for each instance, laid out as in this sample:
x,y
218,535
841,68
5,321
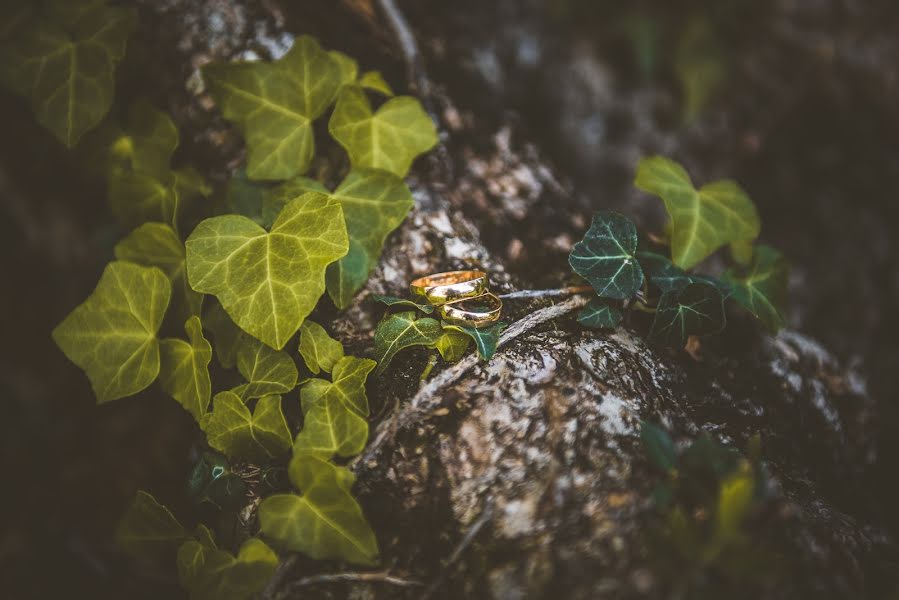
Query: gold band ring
x,y
478,312
441,288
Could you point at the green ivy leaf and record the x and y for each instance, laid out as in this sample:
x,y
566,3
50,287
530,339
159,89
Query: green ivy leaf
x,y
231,428
394,301
224,577
403,330
697,309
112,334
148,527
192,554
486,338
762,287
702,220
246,197
325,522
605,257
389,139
734,502
274,104
319,350
267,371
659,448
268,282
334,413
226,336
149,143
157,245
275,199
184,369
349,68
452,345
373,80
662,273
65,64
598,314
374,204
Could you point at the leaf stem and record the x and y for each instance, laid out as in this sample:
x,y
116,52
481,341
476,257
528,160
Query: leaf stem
x,y
565,291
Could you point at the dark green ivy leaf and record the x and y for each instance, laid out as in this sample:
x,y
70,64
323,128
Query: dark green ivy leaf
x,y
486,338
403,330
659,448
762,287
662,273
697,309
394,301
598,314
605,257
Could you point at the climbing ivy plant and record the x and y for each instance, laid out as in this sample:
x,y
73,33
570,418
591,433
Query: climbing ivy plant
x,y
199,277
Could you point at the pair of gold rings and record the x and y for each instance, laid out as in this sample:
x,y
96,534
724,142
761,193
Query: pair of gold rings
x,y
462,297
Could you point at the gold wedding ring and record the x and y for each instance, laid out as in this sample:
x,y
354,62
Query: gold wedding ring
x,y
441,288
480,311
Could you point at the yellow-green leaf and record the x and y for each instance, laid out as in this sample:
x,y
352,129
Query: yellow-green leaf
x,y
275,199
388,139
403,330
184,369
112,334
231,429
64,63
157,245
452,345
762,287
325,522
734,501
268,282
226,336
147,526
486,339
274,104
267,371
373,80
225,577
191,556
702,220
374,204
318,349
349,69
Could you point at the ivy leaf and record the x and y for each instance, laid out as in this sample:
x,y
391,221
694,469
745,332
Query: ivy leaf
x,y
734,502
231,428
659,448
394,301
184,369
192,554
65,64
697,309
349,68
389,139
374,204
267,371
598,314
224,577
148,527
762,287
403,330
486,338
334,413
325,522
149,143
274,104
702,220
275,199
226,336
373,80
662,273
157,245
605,257
319,350
452,345
247,197
268,282
112,334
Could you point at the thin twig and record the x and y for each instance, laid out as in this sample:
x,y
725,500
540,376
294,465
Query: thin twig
x,y
428,398
378,577
463,545
565,291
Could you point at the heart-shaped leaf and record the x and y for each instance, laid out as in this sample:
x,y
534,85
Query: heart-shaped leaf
x,y
268,282
275,199
325,522
225,577
184,369
762,287
486,339
192,554
148,527
403,330
702,220
267,371
261,435
374,204
605,257
452,345
64,62
157,245
373,80
112,335
696,309
662,273
598,314
394,301
274,104
389,139
318,349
